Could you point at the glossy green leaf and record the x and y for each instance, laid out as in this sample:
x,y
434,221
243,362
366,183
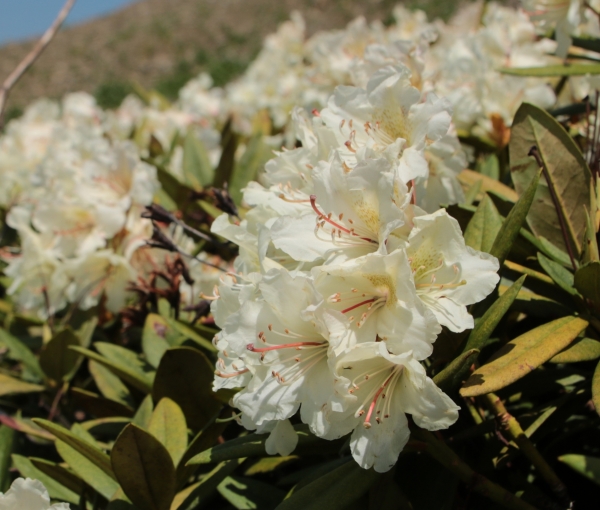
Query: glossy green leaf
x,y
334,490
154,343
596,388
455,373
553,70
20,352
568,172
587,282
561,276
130,373
144,469
247,493
89,451
7,436
582,349
584,464
110,385
511,226
492,317
197,169
55,489
168,425
484,226
522,355
88,470
185,375
57,359
12,386
252,445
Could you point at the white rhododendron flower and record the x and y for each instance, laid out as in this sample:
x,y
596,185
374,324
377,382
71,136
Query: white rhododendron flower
x,y
28,494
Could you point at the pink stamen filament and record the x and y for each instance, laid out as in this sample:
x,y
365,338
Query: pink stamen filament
x,y
367,423
295,345
232,374
324,217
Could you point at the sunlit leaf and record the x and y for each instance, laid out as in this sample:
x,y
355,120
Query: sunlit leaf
x,y
561,276
110,385
143,415
582,349
167,424
469,177
247,494
584,464
144,469
12,386
522,355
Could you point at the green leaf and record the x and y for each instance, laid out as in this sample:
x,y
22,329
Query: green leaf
x,y
88,470
472,193
484,226
55,489
84,447
251,162
554,252
587,282
514,221
492,317
334,490
197,170
86,331
229,143
454,374
7,436
131,373
144,469
154,343
20,352
523,355
561,276
185,375
247,494
469,177
568,172
584,464
596,388
268,464
11,386
56,359
252,445
110,385
167,424
98,406
582,349
172,192
491,167
143,415
59,473
192,333
553,70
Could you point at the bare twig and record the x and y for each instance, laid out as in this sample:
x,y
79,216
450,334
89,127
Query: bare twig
x,y
32,56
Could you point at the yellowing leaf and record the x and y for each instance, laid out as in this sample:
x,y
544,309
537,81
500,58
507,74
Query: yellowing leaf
x,y
469,177
522,355
582,349
11,386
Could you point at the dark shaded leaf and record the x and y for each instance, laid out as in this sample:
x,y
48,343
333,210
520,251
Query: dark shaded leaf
x,y
56,359
456,372
587,282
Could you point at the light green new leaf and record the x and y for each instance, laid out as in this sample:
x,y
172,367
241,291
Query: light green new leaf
x,y
197,169
587,282
144,469
561,276
472,193
484,226
514,221
55,489
19,351
491,167
454,374
523,355
334,490
168,425
587,466
131,373
12,386
493,315
56,359
568,172
582,349
83,446
88,471
110,385
553,71
185,375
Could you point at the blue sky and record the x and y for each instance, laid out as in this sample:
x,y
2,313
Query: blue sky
x,y
20,19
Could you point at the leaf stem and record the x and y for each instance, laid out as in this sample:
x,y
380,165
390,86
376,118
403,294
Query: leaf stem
x,y
479,483
510,424
561,220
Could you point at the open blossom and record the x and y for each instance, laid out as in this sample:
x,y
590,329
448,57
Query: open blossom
x,y
28,494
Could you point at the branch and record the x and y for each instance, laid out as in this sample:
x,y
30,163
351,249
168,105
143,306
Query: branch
x,y
32,56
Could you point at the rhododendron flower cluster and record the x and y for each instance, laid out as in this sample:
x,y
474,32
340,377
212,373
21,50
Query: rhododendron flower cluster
x,y
346,275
